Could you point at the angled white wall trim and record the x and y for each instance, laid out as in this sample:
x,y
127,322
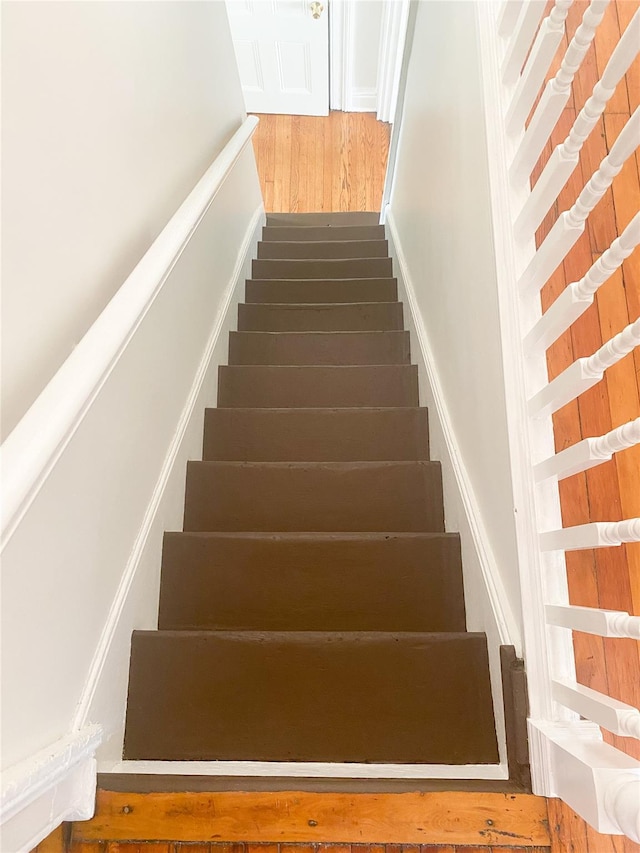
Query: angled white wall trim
x,y
57,783
393,32
506,624
117,607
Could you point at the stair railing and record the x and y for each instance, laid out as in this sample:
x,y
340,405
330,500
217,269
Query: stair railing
x,y
569,758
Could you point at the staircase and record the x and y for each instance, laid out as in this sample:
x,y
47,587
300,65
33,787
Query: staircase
x,y
312,609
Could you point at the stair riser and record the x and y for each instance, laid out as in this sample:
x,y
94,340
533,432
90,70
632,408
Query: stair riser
x,y
345,497
325,584
320,318
356,290
302,435
351,268
332,219
326,250
319,348
310,387
310,697
322,233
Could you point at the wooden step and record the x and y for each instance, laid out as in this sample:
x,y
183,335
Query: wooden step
x,y
262,386
311,582
314,496
334,291
310,696
319,348
315,435
325,249
322,269
333,219
323,232
354,317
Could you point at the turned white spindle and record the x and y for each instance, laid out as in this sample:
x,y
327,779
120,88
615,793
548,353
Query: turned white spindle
x,y
521,40
597,534
556,94
592,620
584,373
508,17
544,49
565,156
570,224
613,715
622,803
578,296
589,452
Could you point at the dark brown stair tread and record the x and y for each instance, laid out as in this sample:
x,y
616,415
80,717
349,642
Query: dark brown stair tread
x,y
300,291
288,233
329,496
325,249
316,435
320,317
332,218
319,348
343,268
332,386
330,582
310,696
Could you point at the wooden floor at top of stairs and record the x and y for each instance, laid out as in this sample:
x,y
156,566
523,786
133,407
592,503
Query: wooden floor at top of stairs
x,y
480,819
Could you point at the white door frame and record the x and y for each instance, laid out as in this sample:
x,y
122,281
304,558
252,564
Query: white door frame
x,y
343,95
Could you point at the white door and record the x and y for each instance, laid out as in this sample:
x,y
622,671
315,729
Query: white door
x,y
283,55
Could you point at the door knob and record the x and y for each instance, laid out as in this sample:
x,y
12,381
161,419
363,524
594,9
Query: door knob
x,y
316,9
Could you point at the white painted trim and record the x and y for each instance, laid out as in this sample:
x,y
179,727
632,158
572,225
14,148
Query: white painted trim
x,y
236,280
57,783
501,609
363,99
31,451
314,769
340,53
393,32
548,652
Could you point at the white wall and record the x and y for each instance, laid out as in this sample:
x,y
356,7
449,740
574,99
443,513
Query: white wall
x,y
441,216
111,113
81,568
366,20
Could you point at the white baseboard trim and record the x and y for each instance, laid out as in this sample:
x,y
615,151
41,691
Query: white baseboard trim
x,y
362,100
506,624
314,769
236,280
57,783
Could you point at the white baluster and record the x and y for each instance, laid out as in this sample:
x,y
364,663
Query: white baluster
x,y
615,716
565,157
508,17
555,95
622,804
584,373
588,452
578,296
571,223
597,534
544,49
592,620
521,40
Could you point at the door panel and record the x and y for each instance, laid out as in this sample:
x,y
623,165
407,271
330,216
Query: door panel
x,y
282,54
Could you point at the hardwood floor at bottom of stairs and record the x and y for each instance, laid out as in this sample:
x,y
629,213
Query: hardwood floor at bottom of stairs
x,y
434,818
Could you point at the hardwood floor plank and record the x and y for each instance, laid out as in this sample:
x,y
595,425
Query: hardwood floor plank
x,y
302,817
